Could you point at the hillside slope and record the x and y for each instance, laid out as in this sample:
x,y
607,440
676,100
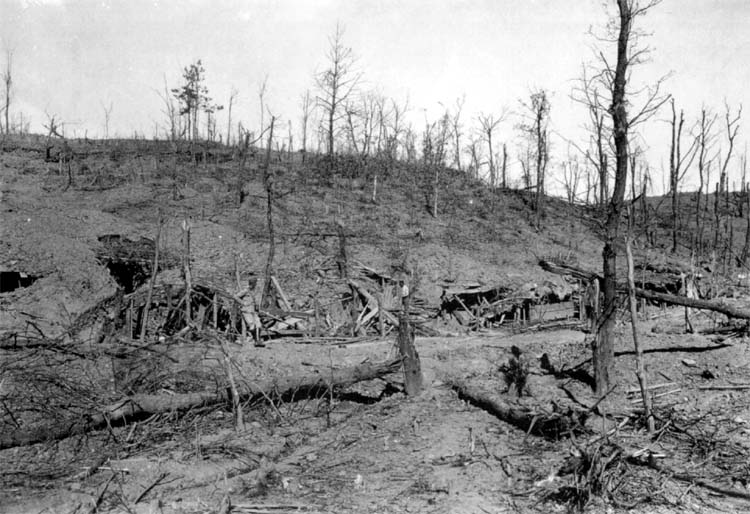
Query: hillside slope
x,y
52,232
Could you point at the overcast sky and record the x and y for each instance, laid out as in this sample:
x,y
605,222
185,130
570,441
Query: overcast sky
x,y
71,57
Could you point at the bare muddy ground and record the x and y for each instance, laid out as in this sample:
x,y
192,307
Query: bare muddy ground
x,y
379,451
360,448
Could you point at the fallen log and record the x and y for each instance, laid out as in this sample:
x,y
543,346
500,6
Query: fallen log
x,y
551,425
565,269
138,407
671,299
709,305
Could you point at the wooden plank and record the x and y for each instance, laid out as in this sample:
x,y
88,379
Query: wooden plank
x,y
551,311
285,302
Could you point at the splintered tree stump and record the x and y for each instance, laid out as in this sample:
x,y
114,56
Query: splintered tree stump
x,y
412,366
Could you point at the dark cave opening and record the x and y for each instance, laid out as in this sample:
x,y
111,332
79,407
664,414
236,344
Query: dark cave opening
x,y
12,280
129,275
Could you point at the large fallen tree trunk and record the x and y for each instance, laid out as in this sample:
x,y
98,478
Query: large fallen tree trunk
x,y
551,425
138,407
723,308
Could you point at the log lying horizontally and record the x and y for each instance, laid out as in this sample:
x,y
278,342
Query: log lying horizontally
x,y
723,308
141,406
551,425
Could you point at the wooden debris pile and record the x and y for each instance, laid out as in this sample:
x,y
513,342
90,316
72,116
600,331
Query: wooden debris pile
x,y
648,277
380,295
482,306
661,279
365,304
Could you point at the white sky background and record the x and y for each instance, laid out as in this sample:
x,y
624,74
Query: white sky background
x,y
73,56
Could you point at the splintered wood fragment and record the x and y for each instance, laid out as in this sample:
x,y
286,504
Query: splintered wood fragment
x,y
650,388
366,294
269,507
364,320
458,299
667,393
362,315
215,314
724,387
90,470
280,292
381,306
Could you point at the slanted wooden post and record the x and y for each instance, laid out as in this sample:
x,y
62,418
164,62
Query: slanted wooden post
x,y
412,366
381,306
129,319
215,305
186,268
317,316
640,370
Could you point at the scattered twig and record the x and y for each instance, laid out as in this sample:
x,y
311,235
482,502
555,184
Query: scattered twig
x,y
667,393
650,388
100,496
724,387
691,479
153,484
90,470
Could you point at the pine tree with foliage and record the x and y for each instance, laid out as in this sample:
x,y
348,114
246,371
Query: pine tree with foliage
x,y
193,97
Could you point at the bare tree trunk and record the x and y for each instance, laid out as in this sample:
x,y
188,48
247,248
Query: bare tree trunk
x,y
268,181
7,77
717,220
505,164
232,96
435,185
261,96
703,142
493,172
674,156
306,104
604,353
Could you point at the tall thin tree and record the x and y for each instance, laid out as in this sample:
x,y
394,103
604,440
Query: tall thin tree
x,y
7,77
628,55
336,84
